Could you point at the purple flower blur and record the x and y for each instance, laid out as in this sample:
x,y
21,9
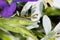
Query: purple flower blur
x,y
8,10
25,0
3,3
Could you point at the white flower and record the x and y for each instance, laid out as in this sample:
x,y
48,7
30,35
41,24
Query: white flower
x,y
32,26
29,38
50,34
56,3
36,9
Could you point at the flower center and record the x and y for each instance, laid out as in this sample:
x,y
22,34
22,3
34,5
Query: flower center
x,y
52,38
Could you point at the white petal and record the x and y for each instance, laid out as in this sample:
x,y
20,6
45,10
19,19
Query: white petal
x,y
57,38
32,26
46,24
45,38
26,8
56,3
42,39
36,9
57,28
29,38
17,38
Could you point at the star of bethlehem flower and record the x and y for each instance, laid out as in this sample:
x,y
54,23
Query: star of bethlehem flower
x,y
56,3
50,34
36,9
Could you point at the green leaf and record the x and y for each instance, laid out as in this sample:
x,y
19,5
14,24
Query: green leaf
x,y
17,25
6,36
16,21
51,11
39,34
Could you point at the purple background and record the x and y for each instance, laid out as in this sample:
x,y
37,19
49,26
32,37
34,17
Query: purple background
x,y
26,0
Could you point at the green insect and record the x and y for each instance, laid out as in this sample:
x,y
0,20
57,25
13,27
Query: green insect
x,y
17,25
